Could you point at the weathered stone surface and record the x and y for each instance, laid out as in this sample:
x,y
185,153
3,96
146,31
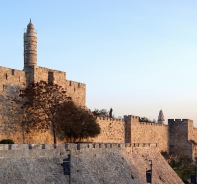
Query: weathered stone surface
x,y
115,164
139,132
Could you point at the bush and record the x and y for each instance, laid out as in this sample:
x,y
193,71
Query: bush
x,y
6,141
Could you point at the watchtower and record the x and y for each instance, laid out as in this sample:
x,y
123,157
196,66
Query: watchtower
x,y
30,46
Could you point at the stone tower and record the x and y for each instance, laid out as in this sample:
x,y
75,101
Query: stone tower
x,y
161,119
30,46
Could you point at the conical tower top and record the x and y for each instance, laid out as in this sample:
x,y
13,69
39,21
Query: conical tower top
x,y
161,119
30,27
30,46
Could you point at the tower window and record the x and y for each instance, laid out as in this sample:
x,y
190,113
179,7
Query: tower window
x,y
6,76
50,77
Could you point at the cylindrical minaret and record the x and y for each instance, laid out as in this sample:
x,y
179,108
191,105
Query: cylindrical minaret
x,y
30,46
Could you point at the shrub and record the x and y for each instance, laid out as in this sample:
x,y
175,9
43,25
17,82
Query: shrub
x,y
6,141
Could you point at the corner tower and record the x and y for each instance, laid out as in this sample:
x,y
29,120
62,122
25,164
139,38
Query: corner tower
x,y
30,46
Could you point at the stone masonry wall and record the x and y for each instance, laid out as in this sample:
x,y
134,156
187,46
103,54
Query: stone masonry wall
x,y
75,90
11,77
11,82
90,163
179,135
140,132
112,131
182,138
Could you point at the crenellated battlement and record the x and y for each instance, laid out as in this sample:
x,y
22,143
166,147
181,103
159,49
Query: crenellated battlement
x,y
10,72
135,119
51,150
75,84
179,120
109,119
152,124
73,146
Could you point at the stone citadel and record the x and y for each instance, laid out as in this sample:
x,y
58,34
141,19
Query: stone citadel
x,y
178,137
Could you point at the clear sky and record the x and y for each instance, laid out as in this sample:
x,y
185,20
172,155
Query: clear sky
x,y
136,56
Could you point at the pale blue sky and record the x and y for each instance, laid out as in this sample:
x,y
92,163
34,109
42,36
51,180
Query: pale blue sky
x,y
135,56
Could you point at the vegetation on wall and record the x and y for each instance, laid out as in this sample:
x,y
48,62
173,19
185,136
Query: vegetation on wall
x,y
103,113
183,166
145,119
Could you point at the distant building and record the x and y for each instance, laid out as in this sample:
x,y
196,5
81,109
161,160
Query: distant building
x,y
161,119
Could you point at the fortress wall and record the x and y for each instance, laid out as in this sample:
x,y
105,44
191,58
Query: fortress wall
x,y
90,163
45,74
112,131
11,77
179,135
190,129
11,82
35,137
195,134
77,91
146,132
192,137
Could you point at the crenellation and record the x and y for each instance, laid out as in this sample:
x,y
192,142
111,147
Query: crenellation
x,y
95,149
141,132
109,119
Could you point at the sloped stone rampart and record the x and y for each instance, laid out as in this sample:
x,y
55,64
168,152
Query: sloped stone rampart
x,y
90,164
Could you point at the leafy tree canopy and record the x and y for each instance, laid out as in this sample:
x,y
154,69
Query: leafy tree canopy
x,y
54,109
77,123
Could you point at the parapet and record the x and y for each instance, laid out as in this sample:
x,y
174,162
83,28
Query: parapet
x,y
135,119
76,146
51,150
76,84
109,119
179,120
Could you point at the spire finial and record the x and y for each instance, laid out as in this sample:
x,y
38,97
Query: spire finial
x,y
30,20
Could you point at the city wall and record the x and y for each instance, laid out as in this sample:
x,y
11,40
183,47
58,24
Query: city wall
x,y
112,131
182,138
11,77
140,132
90,163
75,90
13,80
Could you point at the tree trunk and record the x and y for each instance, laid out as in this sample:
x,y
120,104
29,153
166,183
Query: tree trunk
x,y
23,132
54,136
